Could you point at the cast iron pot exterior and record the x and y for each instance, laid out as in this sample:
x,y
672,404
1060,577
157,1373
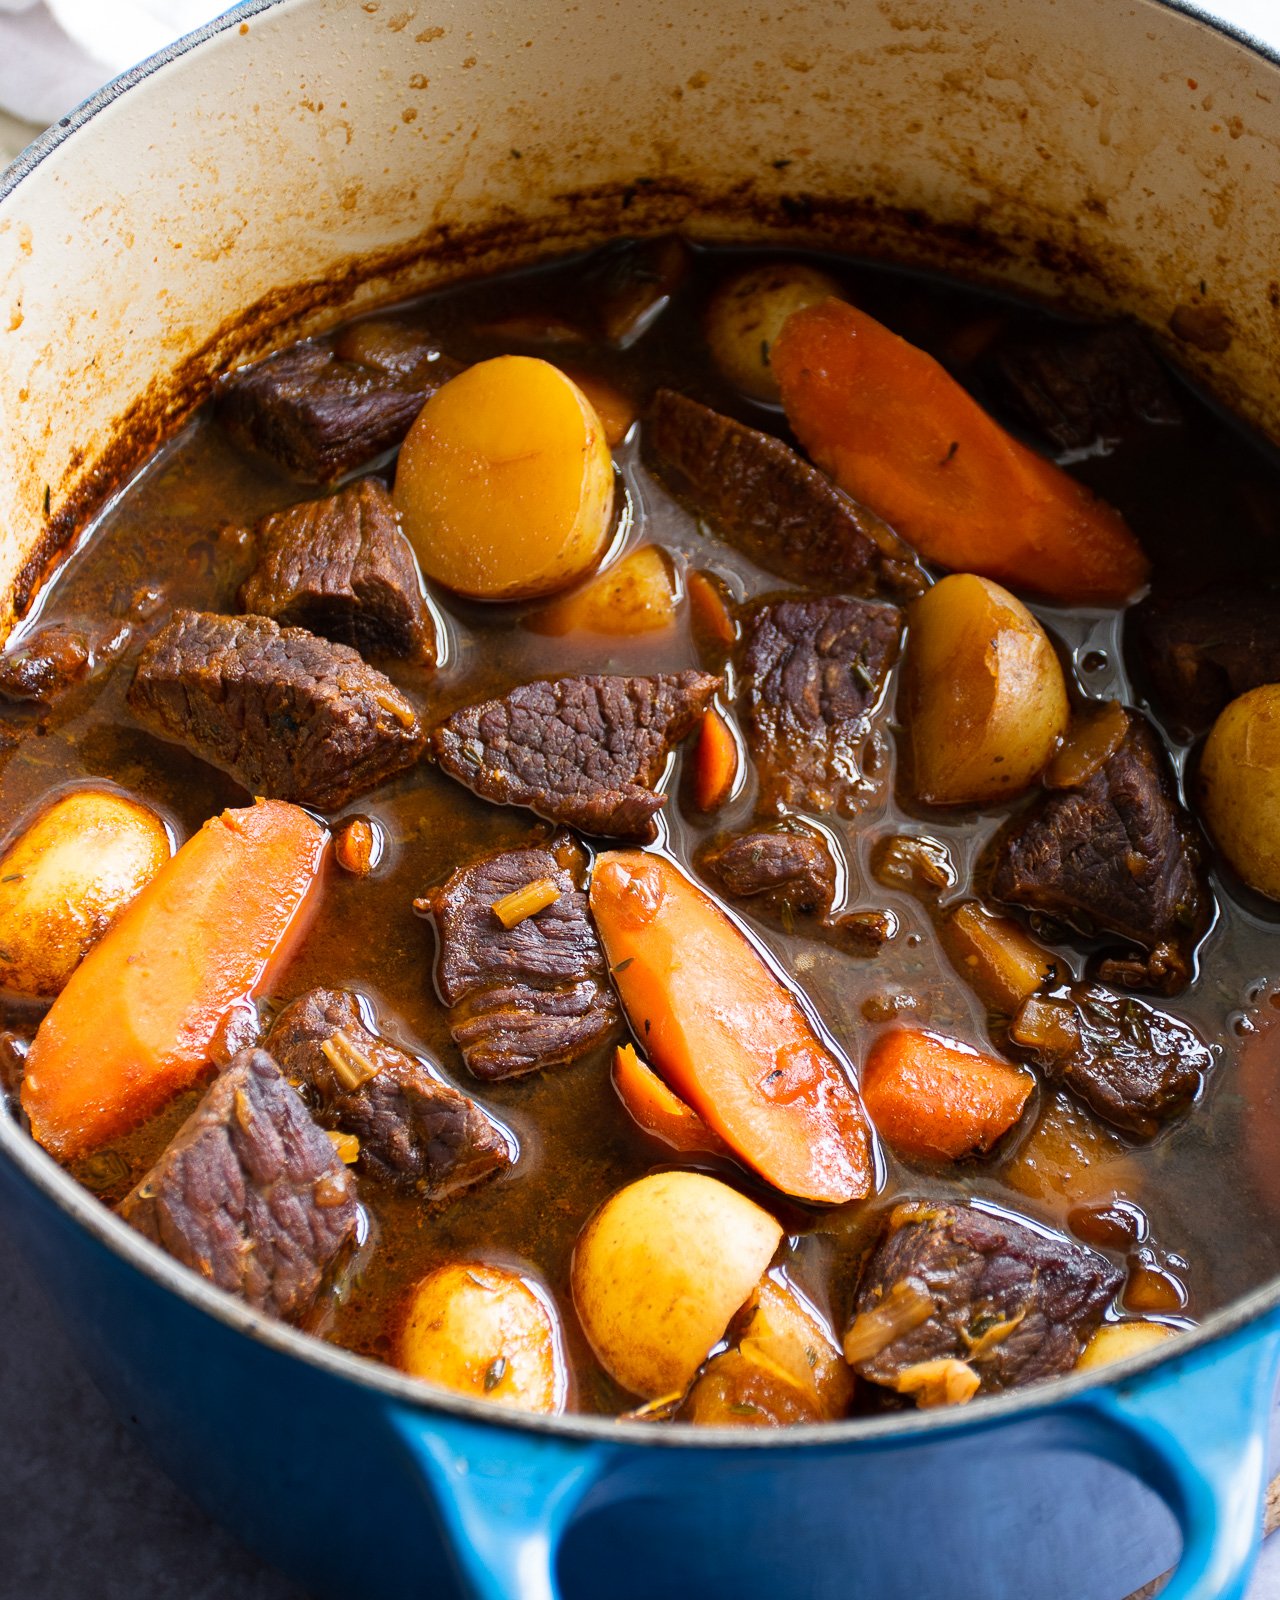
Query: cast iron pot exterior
x,y
307,158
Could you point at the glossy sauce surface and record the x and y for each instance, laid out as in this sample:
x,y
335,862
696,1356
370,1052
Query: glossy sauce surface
x,y
1203,500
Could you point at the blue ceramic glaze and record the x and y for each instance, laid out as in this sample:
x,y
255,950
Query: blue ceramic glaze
x,y
317,1459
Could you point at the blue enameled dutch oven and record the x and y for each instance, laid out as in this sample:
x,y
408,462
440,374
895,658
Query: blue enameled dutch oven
x,y
298,160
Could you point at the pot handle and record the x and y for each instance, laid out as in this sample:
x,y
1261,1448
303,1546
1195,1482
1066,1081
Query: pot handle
x,y
1196,1432
504,1497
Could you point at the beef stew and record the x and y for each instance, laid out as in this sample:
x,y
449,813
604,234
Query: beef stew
x,y
663,848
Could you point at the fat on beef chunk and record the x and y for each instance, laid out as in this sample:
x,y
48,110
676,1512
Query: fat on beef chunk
x,y
342,568
287,714
318,416
770,503
582,751
812,673
250,1193
527,997
413,1129
786,870
1013,1303
1133,1065
1198,651
1114,854
1083,386
47,663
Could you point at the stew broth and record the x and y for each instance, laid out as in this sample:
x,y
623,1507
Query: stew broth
x,y
1203,499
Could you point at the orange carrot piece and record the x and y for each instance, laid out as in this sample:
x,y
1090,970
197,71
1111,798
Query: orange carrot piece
x,y
710,609
937,1098
896,431
657,1109
133,1025
715,762
726,1034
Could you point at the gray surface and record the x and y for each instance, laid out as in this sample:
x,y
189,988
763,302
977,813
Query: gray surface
x,y
84,1515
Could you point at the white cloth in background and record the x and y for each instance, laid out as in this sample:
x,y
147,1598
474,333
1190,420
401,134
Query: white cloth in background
x,y
55,53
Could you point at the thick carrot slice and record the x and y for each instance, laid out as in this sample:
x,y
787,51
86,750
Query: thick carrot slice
x,y
657,1109
726,1034
938,1099
896,431
134,1023
715,762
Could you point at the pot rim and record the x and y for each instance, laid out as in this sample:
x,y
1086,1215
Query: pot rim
x,y
109,1230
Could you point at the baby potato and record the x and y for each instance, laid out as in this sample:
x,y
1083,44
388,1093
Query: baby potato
x,y
985,701
659,1271
746,314
65,878
505,482
1113,1341
1239,787
635,596
482,1331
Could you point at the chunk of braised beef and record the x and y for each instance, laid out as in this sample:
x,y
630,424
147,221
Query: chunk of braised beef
x,y
397,348
413,1129
45,664
1135,1066
630,284
769,502
320,417
1198,651
582,751
524,997
1081,386
287,714
250,1193
952,1283
342,568
1114,854
787,870
813,671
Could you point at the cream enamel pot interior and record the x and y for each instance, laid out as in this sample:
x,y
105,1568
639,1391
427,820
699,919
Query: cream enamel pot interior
x,y
297,161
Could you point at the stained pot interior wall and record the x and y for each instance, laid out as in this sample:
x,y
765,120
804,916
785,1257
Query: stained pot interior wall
x,y
324,155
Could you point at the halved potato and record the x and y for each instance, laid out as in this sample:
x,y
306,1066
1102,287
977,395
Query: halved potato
x,y
635,596
505,482
659,1272
985,700
1113,1341
1239,787
483,1331
746,314
66,877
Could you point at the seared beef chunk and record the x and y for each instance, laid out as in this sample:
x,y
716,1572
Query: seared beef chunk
x,y
1084,386
812,671
288,715
412,1128
787,870
250,1193
583,751
397,349
1136,1067
1201,650
1114,854
769,502
320,417
524,997
956,1284
342,568
630,284
45,665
